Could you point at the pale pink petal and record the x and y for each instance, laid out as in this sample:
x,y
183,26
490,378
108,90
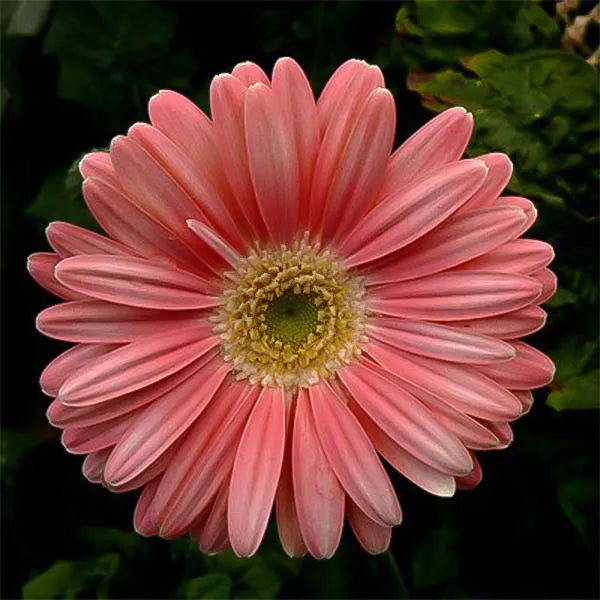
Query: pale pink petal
x,y
499,174
468,429
456,296
298,106
347,98
212,535
126,222
472,480
439,341
519,323
460,386
142,517
92,321
212,239
272,161
41,267
99,166
440,141
421,474
458,239
83,440
407,215
227,95
256,472
197,184
372,536
70,361
517,256
285,505
162,423
249,73
549,284
360,166
529,369
502,430
61,415
405,419
69,240
136,282
317,492
204,460
524,204
94,463
352,457
136,365
346,91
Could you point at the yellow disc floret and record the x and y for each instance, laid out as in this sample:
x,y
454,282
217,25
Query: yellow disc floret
x,y
291,316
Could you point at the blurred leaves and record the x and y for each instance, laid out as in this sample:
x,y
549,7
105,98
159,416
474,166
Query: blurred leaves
x,y
435,559
74,579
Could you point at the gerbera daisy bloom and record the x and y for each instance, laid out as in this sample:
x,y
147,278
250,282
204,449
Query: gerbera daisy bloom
x,y
281,302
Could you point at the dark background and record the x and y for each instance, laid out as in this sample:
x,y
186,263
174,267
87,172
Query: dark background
x,y
74,74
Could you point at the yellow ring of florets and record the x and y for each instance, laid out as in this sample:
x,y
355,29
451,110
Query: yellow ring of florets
x,y
291,316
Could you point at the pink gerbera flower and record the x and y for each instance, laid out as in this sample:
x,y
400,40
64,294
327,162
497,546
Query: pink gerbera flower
x,y
281,301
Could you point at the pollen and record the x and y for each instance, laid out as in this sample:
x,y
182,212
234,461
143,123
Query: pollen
x,y
291,316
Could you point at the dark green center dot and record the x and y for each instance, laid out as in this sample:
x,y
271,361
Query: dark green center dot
x,y
291,318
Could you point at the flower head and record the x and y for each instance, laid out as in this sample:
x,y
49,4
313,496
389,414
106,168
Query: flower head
x,y
281,302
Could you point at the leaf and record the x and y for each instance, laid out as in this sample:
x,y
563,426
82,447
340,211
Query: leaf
x,y
572,357
579,501
580,393
435,558
213,585
70,579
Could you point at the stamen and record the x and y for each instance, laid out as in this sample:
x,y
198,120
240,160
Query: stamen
x,y
291,316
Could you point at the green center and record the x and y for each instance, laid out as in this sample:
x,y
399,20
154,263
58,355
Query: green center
x,y
291,317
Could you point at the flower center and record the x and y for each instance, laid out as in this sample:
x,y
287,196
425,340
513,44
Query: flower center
x,y
291,316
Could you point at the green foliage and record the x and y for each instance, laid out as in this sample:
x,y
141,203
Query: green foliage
x,y
435,559
74,579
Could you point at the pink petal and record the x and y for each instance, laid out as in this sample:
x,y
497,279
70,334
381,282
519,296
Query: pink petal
x,y
92,321
405,419
93,465
421,474
439,341
318,494
346,91
62,416
142,517
524,204
459,239
549,284
285,505
249,73
41,267
212,537
472,480
360,166
499,174
162,423
440,141
405,216
272,160
192,178
136,282
338,117
297,103
136,365
70,361
460,386
502,431
99,166
456,296
227,106
352,457
68,240
517,256
373,537
126,222
99,436
519,323
529,369
204,460
256,472
212,239
526,399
